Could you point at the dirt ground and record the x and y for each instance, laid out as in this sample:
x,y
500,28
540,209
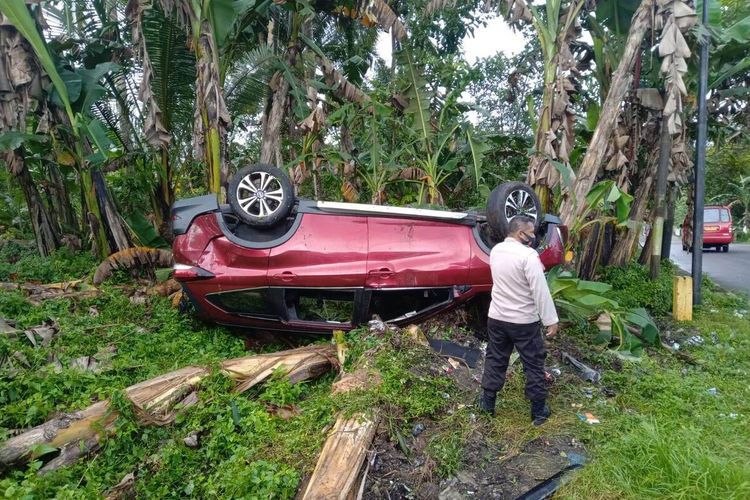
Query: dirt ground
x,y
487,470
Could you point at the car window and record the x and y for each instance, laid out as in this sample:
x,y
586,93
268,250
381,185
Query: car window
x,y
329,306
391,305
710,215
725,215
253,302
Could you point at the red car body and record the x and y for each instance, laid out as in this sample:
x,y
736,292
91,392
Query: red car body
x,y
335,265
717,228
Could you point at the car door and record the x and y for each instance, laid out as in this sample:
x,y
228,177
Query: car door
x,y
416,253
326,251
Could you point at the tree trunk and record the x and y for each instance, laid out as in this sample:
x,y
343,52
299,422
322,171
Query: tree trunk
x,y
211,124
65,213
657,227
107,231
163,196
666,242
47,238
157,401
593,160
625,246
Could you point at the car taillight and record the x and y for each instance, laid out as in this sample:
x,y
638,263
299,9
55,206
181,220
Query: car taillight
x,y
183,272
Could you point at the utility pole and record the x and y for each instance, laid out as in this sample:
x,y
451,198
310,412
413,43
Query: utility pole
x,y
700,163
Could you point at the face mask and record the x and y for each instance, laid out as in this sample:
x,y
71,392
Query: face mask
x,y
526,240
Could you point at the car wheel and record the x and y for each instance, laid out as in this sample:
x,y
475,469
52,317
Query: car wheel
x,y
725,248
261,195
510,200
684,247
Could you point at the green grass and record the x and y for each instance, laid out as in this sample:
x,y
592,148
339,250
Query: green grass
x,y
664,435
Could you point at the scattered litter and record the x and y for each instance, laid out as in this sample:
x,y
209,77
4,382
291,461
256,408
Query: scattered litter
x,y
138,300
454,363
588,392
740,313
585,372
713,391
576,405
450,349
729,415
714,310
675,346
446,395
417,430
714,338
93,312
376,326
609,392
191,441
555,371
589,418
696,340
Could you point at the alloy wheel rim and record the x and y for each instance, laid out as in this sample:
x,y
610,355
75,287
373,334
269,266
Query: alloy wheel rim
x,y
260,194
519,202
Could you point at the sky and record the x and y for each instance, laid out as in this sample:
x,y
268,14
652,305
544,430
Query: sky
x,y
487,41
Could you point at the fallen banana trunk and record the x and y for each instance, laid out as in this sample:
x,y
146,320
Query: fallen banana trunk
x,y
337,473
158,400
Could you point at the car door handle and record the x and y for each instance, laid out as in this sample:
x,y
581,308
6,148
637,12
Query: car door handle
x,y
285,276
383,272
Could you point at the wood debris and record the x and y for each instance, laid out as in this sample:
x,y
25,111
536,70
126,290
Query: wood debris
x,y
158,400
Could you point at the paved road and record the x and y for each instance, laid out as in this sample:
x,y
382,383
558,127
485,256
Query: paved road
x,y
730,270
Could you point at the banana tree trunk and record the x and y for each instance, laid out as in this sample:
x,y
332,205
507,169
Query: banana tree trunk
x,y
573,204
61,198
157,401
162,196
538,176
47,237
626,245
107,230
212,119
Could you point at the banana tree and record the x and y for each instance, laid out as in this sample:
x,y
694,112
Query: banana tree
x,y
87,140
17,80
208,23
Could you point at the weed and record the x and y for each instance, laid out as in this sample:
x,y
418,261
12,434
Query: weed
x,y
632,287
21,263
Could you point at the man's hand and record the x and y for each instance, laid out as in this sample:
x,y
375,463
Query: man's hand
x,y
552,330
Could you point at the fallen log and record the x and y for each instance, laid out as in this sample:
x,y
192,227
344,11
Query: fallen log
x,y
337,473
157,401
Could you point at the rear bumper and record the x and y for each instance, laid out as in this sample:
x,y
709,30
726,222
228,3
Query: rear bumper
x,y
717,239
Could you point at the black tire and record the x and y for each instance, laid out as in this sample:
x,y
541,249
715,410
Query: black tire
x,y
725,248
684,247
250,195
507,201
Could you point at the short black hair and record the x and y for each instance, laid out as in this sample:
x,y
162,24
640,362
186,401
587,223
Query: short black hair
x,y
518,223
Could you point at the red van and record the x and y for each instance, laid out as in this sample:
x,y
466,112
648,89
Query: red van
x,y
717,229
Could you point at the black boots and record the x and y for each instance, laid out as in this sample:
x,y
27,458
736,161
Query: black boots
x,y
486,401
540,412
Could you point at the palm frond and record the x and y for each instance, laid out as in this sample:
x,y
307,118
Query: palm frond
x,y
246,86
173,81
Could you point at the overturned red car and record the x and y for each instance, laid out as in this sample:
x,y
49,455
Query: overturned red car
x,y
271,261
